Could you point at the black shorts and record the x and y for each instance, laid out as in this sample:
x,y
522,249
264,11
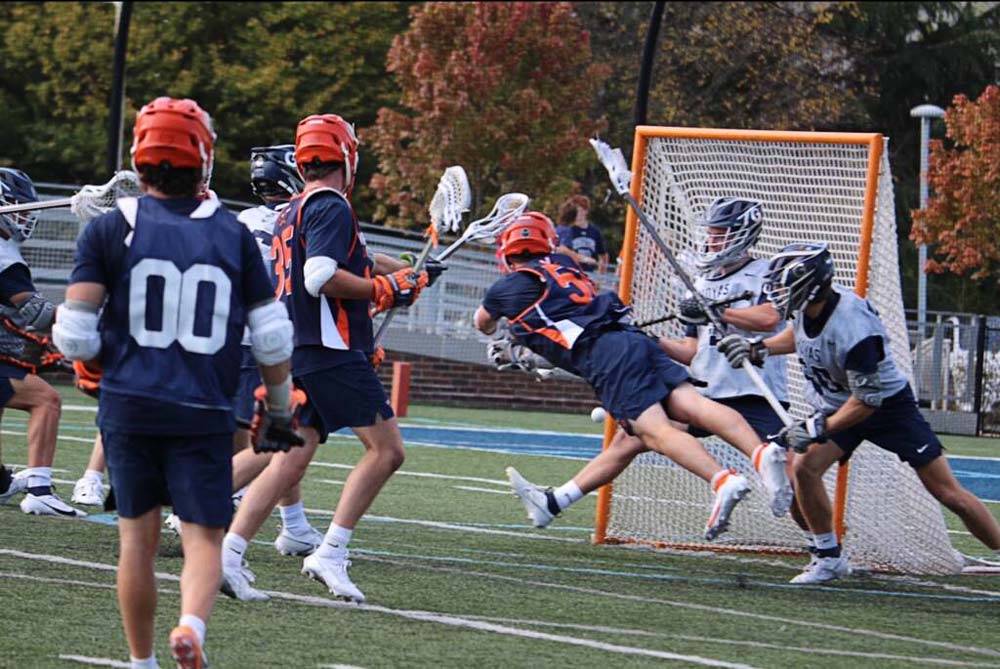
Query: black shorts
x,y
348,395
755,411
898,427
192,473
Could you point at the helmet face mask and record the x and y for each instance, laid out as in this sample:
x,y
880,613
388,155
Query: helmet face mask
x,y
274,173
16,187
797,276
531,233
726,231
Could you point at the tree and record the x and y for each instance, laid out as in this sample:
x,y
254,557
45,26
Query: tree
x,y
962,217
504,89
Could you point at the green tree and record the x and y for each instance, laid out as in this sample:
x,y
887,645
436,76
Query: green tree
x,y
504,89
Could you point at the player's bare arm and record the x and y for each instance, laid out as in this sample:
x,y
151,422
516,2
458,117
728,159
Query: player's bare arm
x,y
782,343
682,350
387,264
758,318
484,322
850,414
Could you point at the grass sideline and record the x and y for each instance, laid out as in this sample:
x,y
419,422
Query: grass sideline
x,y
456,578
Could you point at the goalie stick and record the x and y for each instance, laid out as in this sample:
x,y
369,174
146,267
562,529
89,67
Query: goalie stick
x,y
89,201
745,295
452,198
621,179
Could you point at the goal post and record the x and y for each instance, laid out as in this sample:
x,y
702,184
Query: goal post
x,y
815,186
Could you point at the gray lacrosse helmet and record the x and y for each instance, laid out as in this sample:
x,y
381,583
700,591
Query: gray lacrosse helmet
x,y
740,219
796,276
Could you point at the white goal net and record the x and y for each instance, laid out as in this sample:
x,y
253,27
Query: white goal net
x,y
814,187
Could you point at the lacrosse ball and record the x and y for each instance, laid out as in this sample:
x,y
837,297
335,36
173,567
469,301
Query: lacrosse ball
x,y
598,415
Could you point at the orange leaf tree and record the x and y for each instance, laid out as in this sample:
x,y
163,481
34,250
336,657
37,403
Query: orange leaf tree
x,y
962,218
503,89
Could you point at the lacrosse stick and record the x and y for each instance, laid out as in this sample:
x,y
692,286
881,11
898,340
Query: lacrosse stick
x,y
485,230
90,201
452,198
745,295
507,355
621,179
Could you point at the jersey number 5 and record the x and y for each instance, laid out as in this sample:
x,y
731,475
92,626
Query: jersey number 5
x,y
583,289
180,305
281,254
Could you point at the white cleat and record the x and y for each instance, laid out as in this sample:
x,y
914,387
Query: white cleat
x,y
248,573
332,572
238,496
89,492
49,505
533,498
237,584
16,486
173,523
733,488
301,545
769,461
823,569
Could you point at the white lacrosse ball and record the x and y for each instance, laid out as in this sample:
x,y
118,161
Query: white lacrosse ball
x,y
598,415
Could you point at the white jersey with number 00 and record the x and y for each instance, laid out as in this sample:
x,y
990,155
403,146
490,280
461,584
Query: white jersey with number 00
x,y
711,366
824,357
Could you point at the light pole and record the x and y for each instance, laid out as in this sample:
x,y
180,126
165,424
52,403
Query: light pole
x,y
925,113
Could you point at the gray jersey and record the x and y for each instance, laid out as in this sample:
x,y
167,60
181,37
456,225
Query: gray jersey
x,y
260,221
711,366
10,254
824,357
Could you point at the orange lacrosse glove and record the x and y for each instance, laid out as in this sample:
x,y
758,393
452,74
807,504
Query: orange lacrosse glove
x,y
88,379
271,430
377,357
399,289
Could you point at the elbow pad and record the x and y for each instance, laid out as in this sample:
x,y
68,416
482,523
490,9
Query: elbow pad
x,y
271,333
75,332
316,272
866,387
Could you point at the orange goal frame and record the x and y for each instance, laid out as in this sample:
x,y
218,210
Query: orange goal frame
x,y
643,134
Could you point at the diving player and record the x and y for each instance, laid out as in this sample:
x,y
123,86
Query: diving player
x,y
860,395
554,309
20,387
330,283
178,277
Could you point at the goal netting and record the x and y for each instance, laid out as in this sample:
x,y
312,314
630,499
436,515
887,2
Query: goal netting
x,y
832,187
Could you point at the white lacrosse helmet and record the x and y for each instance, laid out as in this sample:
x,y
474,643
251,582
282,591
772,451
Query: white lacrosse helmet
x,y
726,231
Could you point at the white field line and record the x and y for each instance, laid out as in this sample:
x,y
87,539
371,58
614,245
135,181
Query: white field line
x,y
338,666
95,661
501,430
989,652
429,616
330,481
489,490
428,475
61,438
79,407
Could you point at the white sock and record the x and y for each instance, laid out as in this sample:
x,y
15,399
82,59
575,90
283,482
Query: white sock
x,y
826,541
335,541
567,494
242,491
233,548
293,517
39,477
195,623
94,474
148,663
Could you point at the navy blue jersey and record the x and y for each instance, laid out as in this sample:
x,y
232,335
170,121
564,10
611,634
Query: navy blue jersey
x,y
561,308
14,280
328,330
180,276
586,241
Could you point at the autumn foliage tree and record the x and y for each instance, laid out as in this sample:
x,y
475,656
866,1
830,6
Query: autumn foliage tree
x,y
503,89
962,217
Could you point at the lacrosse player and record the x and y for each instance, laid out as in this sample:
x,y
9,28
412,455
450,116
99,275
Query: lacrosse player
x,y
326,276
25,319
860,395
554,309
178,277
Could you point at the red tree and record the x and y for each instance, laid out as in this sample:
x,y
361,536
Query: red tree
x,y
962,218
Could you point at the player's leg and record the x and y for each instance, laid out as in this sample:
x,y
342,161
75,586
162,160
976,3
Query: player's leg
x,y
200,578
544,504
89,489
10,485
810,493
44,406
139,538
940,482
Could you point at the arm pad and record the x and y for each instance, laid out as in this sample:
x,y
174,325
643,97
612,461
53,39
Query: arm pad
x,y
316,272
270,333
866,386
75,331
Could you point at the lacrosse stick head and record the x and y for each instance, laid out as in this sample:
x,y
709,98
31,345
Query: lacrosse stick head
x,y
614,162
507,209
452,198
16,187
93,201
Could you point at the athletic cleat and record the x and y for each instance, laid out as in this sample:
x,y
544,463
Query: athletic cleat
x,y
533,498
15,485
769,460
299,545
730,489
248,573
89,492
49,505
823,569
186,649
237,584
173,523
332,572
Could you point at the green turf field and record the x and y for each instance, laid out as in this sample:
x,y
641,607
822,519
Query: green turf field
x,y
455,578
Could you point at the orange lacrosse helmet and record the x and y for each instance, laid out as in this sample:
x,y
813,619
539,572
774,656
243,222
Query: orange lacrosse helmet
x,y
327,138
176,132
531,232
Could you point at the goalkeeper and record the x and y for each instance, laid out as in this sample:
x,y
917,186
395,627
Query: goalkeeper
x,y
554,309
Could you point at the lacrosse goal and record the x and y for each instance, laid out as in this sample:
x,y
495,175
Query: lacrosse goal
x,y
832,187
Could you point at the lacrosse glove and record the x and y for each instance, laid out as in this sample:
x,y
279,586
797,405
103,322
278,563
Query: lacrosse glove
x,y
738,349
399,289
800,434
273,430
434,269
88,379
690,313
